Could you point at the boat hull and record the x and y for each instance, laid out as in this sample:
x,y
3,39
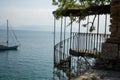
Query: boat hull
x,y
3,48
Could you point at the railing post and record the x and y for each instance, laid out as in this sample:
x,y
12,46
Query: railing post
x,y
54,55
105,23
54,37
71,34
78,40
79,34
64,36
70,48
91,41
97,36
61,45
67,46
73,41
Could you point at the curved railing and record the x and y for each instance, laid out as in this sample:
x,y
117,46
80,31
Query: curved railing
x,y
88,42
83,42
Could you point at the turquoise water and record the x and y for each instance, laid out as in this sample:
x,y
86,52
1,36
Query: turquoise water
x,y
32,61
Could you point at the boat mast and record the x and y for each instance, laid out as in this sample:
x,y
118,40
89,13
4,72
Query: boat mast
x,y
7,33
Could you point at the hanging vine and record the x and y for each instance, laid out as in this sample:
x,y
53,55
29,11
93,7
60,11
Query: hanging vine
x,y
92,27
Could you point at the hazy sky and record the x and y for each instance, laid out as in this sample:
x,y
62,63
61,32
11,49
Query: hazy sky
x,y
27,12
30,12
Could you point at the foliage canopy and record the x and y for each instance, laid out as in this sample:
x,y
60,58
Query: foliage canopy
x,y
64,5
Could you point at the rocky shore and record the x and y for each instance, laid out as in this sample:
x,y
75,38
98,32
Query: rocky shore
x,y
94,74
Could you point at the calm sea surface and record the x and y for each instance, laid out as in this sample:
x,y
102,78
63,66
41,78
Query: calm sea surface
x,y
32,61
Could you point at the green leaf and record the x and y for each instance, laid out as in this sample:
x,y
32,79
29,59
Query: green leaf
x,y
84,25
92,28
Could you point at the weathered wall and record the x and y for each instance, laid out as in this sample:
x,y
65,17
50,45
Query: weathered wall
x,y
111,49
115,22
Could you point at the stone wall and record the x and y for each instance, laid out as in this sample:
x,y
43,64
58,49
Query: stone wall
x,y
115,22
110,51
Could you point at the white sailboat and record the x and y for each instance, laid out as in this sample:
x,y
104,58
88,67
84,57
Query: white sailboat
x,y
6,46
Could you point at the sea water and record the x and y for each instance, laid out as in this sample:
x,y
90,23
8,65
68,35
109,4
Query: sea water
x,y
32,61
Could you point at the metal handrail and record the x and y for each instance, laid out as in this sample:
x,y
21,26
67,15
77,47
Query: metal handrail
x,y
91,42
